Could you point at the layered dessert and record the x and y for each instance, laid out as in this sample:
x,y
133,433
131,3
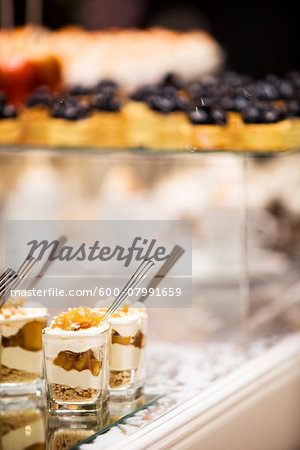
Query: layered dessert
x,y
22,430
127,350
21,344
76,359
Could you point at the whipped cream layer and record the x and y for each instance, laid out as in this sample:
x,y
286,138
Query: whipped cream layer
x,y
56,340
24,437
126,357
130,322
13,319
20,359
21,313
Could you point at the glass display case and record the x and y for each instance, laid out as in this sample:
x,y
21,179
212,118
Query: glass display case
x,y
241,318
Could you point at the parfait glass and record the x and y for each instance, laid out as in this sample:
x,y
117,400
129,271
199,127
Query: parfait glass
x,y
21,354
127,353
76,369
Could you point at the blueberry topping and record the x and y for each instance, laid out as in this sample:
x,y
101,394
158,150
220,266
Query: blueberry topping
x,y
205,102
199,116
286,89
69,110
182,102
196,89
265,90
58,109
236,80
79,90
207,116
263,113
8,112
252,114
71,113
219,116
272,115
104,102
227,103
294,76
293,108
39,98
273,79
142,94
168,90
237,104
107,82
162,103
171,80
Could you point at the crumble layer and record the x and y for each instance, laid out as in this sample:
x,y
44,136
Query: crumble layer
x,y
63,393
119,378
9,375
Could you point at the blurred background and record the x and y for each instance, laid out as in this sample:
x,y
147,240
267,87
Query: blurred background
x,y
259,37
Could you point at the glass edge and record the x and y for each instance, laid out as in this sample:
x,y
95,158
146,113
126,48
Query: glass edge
x,y
65,150
117,422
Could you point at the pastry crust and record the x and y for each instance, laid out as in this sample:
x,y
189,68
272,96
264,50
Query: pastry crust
x,y
266,137
207,137
35,122
295,133
11,131
79,133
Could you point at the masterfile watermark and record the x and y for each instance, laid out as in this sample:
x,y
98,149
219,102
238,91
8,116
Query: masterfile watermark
x,y
95,260
139,249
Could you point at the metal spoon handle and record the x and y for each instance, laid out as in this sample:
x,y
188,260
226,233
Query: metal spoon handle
x,y
175,254
134,280
7,279
27,265
61,242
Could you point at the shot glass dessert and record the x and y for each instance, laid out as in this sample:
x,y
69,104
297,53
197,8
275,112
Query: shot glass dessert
x,y
127,353
76,361
21,349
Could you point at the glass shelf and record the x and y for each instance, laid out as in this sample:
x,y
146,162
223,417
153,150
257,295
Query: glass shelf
x,y
226,195
17,149
25,422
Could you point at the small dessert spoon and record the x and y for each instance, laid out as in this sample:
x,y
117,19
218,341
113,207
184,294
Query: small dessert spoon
x,y
6,280
175,254
134,280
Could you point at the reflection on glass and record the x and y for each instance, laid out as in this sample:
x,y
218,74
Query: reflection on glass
x,y
22,429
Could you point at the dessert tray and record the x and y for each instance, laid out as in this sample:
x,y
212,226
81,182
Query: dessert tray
x,y
177,378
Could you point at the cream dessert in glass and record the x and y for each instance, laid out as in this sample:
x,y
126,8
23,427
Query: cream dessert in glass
x,y
21,348
127,352
75,349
